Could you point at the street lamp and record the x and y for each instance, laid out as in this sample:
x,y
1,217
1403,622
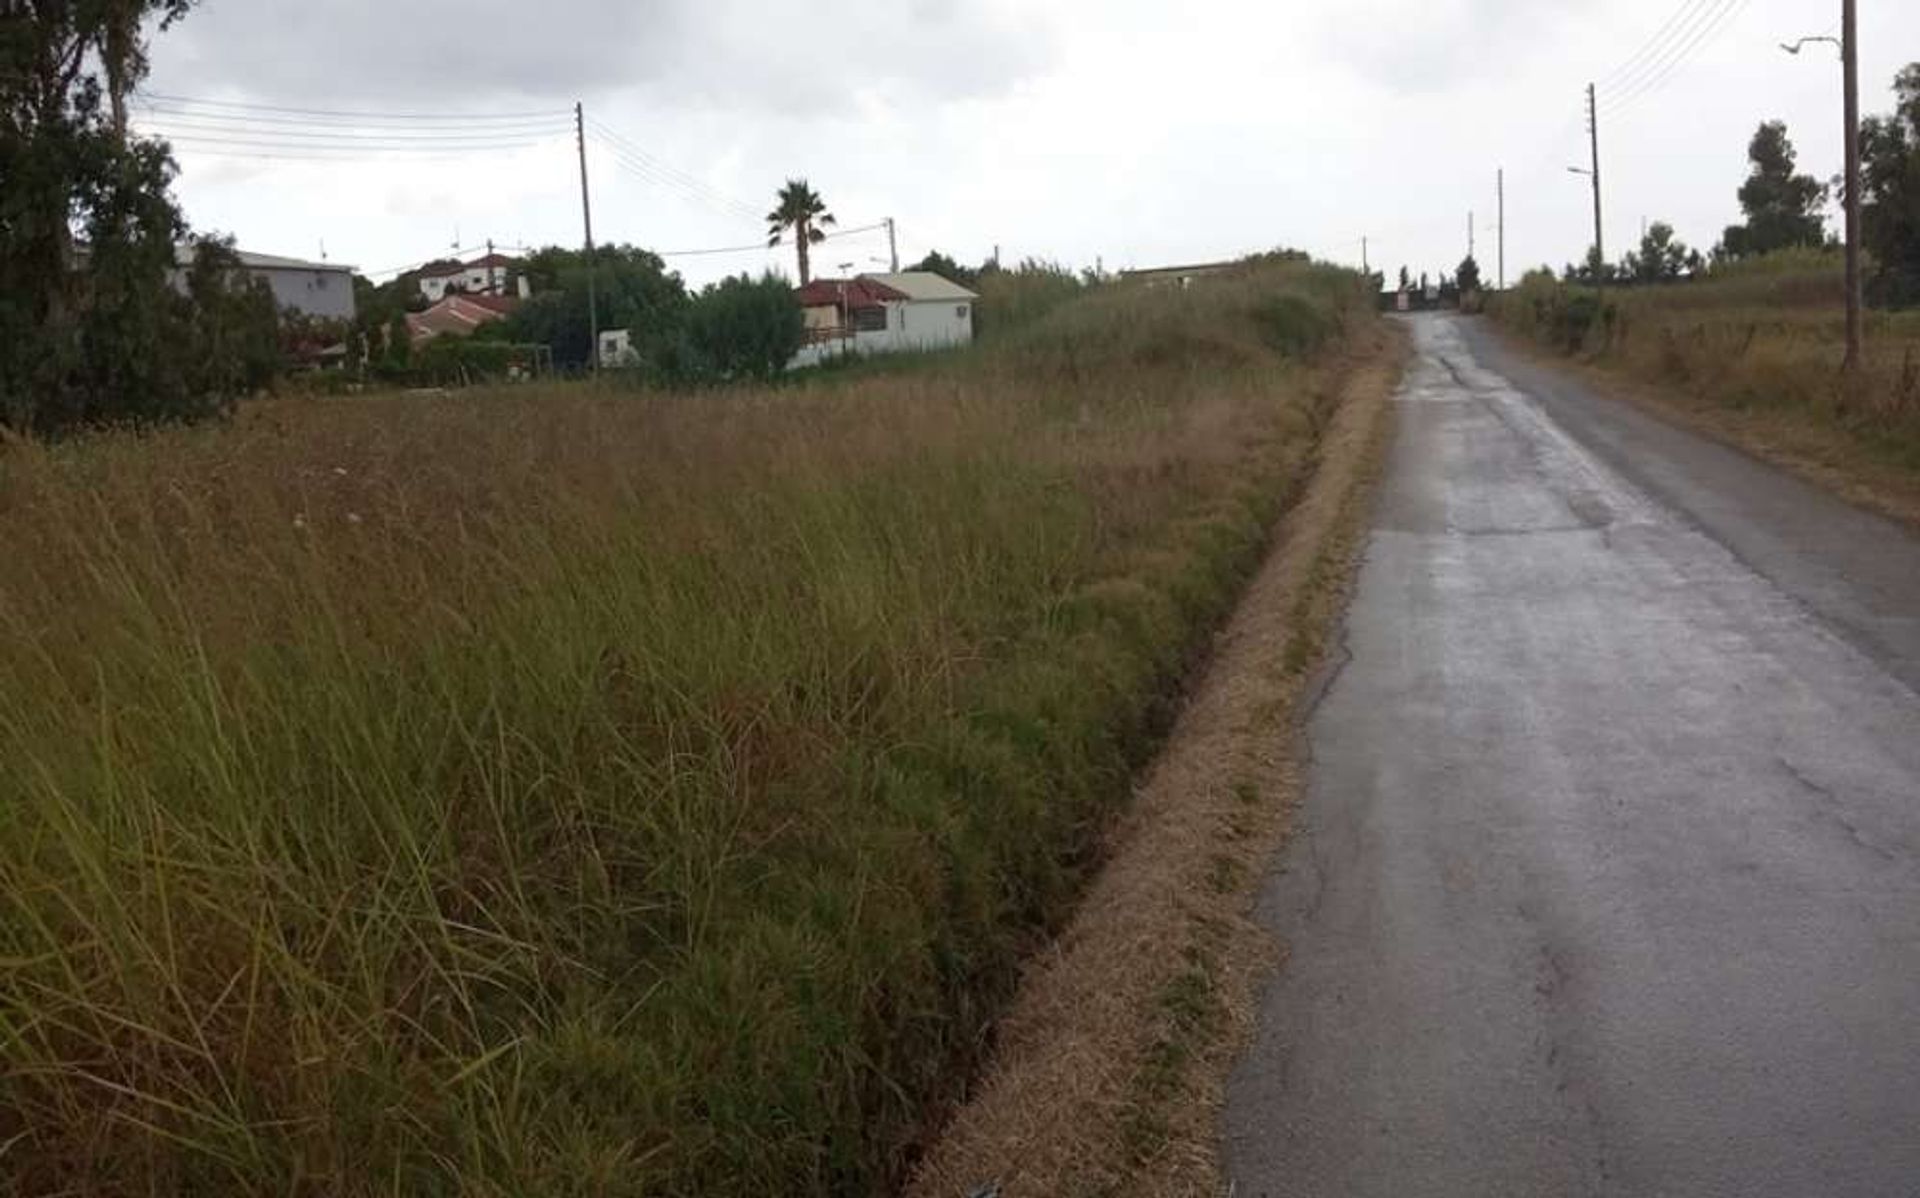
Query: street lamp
x,y
846,313
1848,43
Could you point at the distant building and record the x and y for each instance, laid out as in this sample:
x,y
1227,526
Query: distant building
x,y
616,349
884,313
459,315
494,274
318,289
1179,276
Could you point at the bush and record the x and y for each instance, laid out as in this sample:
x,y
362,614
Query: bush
x,y
743,328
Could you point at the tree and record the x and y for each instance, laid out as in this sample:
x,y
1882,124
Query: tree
x,y
744,328
1468,275
1782,208
1661,258
99,319
800,209
1406,282
635,291
949,269
1890,194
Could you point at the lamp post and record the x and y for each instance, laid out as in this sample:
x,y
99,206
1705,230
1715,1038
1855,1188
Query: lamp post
x,y
1848,44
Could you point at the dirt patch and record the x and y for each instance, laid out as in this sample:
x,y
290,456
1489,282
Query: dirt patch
x,y
1110,1069
1806,443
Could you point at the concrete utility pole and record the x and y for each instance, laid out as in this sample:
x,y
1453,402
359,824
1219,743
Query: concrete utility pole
x,y
1469,232
1599,237
1500,188
586,215
1850,70
1364,268
893,246
1849,46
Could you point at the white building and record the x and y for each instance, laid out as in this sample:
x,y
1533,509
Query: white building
x,y
320,289
490,275
884,313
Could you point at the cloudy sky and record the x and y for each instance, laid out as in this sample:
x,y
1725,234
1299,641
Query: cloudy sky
x,y
1127,132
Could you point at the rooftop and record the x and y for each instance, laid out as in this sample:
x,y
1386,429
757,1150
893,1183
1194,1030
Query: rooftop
x,y
923,285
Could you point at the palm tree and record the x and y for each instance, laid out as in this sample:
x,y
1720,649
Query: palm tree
x,y
801,209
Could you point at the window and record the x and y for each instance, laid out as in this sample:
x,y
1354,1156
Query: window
x,y
961,312
870,320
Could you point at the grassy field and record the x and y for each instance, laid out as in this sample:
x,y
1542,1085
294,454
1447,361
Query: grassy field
x,y
564,792
1754,352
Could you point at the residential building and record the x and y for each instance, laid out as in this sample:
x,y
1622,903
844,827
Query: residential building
x,y
459,315
884,313
1179,276
318,289
495,274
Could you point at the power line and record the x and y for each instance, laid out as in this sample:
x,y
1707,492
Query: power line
x,y
763,248
1636,59
349,140
297,126
639,162
1678,58
345,152
335,113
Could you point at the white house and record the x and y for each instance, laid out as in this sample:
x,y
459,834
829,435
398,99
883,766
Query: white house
x,y
321,289
884,313
482,276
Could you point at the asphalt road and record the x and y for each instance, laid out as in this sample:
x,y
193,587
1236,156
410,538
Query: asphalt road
x,y
1607,877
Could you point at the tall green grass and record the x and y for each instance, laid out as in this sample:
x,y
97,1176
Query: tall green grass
x,y
565,792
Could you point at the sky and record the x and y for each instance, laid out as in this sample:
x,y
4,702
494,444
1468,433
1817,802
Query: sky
x,y
1120,133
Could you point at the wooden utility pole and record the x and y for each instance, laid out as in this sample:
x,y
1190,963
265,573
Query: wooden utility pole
x,y
1500,189
1599,237
1850,69
586,215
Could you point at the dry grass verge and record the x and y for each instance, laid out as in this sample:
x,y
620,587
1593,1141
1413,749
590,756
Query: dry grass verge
x,y
1110,1069
1751,356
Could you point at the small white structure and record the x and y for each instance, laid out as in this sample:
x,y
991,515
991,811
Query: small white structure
x,y
884,313
616,349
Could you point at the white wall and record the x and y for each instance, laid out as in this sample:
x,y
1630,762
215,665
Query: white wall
x,y
475,280
911,325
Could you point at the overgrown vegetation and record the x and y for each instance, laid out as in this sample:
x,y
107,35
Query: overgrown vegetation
x,y
557,793
1763,338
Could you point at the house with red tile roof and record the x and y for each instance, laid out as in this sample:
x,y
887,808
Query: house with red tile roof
x,y
458,315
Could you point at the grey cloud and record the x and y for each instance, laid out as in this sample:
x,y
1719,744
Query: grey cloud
x,y
1440,44
477,54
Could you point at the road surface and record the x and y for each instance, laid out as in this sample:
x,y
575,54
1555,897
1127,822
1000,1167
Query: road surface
x,y
1607,877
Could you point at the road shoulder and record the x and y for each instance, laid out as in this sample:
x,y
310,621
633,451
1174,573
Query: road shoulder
x,y
1109,1071
1815,451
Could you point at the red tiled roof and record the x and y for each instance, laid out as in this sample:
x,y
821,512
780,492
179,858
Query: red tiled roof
x,y
859,293
459,315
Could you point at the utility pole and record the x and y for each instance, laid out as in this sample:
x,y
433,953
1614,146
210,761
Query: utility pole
x,y
586,215
1364,268
1599,238
493,287
1500,188
893,245
1469,232
1850,69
